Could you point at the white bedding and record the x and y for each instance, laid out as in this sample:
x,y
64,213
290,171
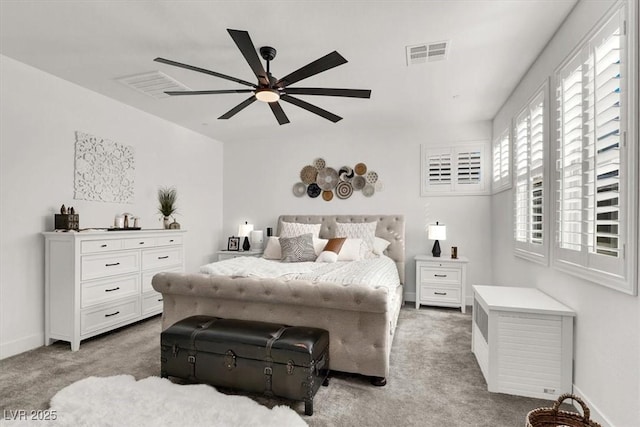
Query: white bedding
x,y
376,272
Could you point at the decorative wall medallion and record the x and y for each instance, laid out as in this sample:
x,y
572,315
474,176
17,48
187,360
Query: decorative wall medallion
x,y
344,190
319,179
327,178
104,170
313,190
299,189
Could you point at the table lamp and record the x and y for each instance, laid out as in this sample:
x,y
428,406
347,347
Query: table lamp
x,y
243,231
436,232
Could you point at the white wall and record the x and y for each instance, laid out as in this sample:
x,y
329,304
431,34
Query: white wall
x,y
607,338
38,118
259,176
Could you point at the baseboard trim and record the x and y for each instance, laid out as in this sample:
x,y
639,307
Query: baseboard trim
x,y
21,345
596,414
410,297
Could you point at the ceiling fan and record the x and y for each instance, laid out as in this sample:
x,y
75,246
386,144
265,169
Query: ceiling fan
x,y
269,89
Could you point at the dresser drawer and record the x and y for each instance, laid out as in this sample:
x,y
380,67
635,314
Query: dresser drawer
x,y
441,295
440,275
169,240
98,266
147,276
142,242
95,319
100,291
151,302
95,246
156,258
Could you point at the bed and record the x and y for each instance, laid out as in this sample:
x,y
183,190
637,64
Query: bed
x,y
360,319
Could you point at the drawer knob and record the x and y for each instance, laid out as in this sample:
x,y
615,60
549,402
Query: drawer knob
x,y
159,299
440,293
440,275
103,246
112,264
112,314
141,243
171,241
163,257
112,289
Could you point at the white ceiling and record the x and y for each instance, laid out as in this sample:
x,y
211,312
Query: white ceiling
x,y
92,43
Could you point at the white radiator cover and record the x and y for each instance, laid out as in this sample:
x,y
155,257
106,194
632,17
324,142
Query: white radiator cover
x,y
523,341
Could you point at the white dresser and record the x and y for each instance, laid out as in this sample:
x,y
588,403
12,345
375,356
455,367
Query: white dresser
x,y
441,281
523,341
101,280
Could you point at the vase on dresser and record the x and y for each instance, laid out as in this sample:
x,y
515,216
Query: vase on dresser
x,y
165,222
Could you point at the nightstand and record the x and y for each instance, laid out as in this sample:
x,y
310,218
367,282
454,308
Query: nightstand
x,y
222,255
441,281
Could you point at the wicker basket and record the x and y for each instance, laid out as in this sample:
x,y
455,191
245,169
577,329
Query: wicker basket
x,y
554,417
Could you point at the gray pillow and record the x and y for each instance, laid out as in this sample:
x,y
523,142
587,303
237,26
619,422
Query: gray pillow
x,y
298,249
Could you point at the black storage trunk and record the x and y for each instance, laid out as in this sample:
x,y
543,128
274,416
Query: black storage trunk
x,y
278,360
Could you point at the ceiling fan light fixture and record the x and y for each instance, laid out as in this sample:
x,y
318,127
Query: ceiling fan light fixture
x,y
267,95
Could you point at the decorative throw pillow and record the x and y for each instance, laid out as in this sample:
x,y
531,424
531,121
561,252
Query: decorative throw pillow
x,y
352,250
297,249
335,244
272,250
327,256
358,230
319,244
293,229
380,245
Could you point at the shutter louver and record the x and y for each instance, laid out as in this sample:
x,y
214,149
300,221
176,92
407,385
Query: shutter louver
x,y
468,167
440,169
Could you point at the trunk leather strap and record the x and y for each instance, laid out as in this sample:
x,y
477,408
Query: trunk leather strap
x,y
268,370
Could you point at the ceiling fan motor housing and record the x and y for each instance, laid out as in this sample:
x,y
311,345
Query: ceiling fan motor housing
x,y
267,53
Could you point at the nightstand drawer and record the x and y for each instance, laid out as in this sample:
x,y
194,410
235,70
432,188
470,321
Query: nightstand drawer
x,y
100,291
442,295
440,275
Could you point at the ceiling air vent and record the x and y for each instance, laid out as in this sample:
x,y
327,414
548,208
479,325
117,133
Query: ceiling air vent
x,y
427,52
153,84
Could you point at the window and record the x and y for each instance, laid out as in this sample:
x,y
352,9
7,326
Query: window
x,y
529,204
501,163
455,170
594,206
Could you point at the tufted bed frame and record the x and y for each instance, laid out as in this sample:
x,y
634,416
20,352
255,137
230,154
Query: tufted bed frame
x,y
360,320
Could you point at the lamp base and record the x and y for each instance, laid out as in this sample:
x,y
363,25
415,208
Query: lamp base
x,y
246,245
436,249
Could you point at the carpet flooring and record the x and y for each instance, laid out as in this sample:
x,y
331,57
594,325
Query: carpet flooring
x,y
434,379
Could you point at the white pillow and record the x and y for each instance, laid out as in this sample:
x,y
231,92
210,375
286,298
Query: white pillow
x,y
327,256
319,244
380,245
358,230
294,229
273,249
352,250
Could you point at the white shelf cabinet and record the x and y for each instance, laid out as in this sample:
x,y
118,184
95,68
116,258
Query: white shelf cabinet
x,y
523,341
98,281
441,281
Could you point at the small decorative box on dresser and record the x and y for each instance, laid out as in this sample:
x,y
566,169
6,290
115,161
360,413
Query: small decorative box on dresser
x,y
523,341
98,281
222,255
441,281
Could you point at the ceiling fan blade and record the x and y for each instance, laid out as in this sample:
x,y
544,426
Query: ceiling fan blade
x,y
207,92
248,50
202,70
325,63
351,93
310,107
235,110
279,113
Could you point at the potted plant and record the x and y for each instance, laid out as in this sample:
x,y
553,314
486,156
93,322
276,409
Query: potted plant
x,y
167,197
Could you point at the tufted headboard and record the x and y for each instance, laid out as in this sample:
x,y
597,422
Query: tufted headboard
x,y
390,227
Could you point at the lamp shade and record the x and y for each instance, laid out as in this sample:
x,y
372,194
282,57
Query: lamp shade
x,y
437,232
245,229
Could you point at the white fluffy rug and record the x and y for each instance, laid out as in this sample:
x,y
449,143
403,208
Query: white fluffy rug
x,y
122,401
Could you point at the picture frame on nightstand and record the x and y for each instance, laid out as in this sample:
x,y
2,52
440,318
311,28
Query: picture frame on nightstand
x,y
233,244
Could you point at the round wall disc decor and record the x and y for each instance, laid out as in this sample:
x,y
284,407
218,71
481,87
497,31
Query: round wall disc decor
x,y
361,168
327,195
371,177
358,182
308,174
368,190
299,189
346,173
327,178
313,190
344,190
319,163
